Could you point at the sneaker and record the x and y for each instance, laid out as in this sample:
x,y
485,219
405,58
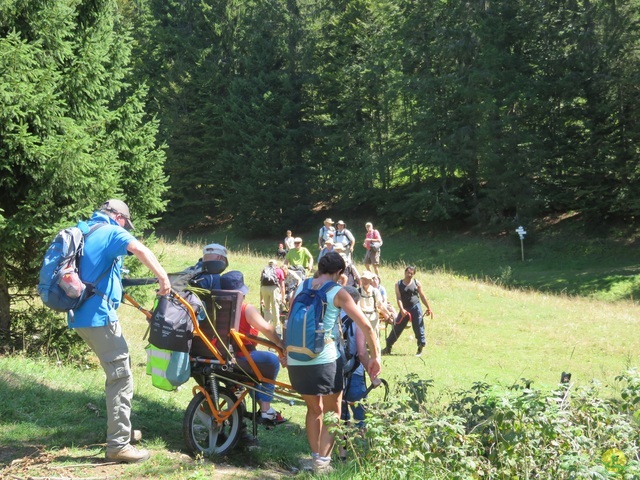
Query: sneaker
x,y
127,454
419,352
136,436
322,465
386,351
272,417
306,465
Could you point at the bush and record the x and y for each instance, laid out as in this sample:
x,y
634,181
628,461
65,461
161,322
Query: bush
x,y
40,332
492,431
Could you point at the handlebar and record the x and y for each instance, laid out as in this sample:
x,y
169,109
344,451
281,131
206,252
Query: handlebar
x,y
134,282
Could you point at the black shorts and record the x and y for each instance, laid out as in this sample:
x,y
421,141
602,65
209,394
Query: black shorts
x,y
325,379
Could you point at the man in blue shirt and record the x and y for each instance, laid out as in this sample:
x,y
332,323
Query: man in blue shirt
x,y
96,321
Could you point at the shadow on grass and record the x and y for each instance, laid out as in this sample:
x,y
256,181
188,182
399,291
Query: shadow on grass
x,y
37,417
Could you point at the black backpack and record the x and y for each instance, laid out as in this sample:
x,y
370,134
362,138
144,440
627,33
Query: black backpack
x,y
351,360
171,327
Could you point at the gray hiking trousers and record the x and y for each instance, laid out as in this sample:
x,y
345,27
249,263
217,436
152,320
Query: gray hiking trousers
x,y
111,348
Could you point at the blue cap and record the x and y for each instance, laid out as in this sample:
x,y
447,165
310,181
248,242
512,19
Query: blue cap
x,y
233,280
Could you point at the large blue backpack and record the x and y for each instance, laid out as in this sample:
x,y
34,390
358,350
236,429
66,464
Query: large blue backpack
x,y
60,286
305,333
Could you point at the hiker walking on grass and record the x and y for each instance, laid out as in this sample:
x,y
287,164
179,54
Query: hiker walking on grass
x,y
288,241
299,258
272,293
371,302
320,380
377,283
96,321
328,247
346,238
356,359
350,276
291,281
326,232
409,294
372,242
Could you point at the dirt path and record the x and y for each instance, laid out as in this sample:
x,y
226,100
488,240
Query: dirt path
x,y
65,465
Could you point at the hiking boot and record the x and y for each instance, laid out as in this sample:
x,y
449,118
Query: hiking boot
x,y
136,436
322,465
127,454
419,352
272,417
386,351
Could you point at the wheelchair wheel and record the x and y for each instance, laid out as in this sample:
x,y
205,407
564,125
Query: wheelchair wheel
x,y
201,432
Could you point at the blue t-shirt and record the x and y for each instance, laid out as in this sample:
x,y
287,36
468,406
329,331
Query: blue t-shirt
x,y
330,352
103,251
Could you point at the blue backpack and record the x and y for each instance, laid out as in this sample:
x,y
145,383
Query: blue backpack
x,y
305,333
60,286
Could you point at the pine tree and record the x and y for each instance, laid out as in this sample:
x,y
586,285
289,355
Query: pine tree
x,y
73,130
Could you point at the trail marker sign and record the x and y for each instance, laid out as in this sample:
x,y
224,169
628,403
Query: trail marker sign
x,y
521,233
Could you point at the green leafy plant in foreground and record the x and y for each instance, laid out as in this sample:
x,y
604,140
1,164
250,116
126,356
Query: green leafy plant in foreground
x,y
492,431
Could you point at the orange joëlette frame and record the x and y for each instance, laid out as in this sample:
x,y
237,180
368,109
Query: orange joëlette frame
x,y
284,389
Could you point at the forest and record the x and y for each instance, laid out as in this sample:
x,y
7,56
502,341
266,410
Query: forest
x,y
261,113
429,111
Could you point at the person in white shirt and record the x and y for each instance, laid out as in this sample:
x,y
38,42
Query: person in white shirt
x,y
288,241
327,231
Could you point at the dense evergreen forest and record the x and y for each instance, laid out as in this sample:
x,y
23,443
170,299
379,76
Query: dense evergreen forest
x,y
262,112
484,112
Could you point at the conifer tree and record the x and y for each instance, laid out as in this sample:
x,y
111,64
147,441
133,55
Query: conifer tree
x,y
73,131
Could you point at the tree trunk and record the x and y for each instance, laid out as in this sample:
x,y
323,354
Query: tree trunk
x,y
5,310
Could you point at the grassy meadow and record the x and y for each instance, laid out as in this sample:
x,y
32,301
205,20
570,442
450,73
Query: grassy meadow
x,y
52,415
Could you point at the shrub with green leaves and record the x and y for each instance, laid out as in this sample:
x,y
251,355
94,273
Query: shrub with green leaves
x,y
493,431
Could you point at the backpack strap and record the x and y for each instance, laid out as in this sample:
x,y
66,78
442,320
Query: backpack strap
x,y
349,236
336,326
327,286
373,294
91,286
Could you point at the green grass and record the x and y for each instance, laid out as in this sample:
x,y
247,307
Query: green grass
x,y
481,332
564,258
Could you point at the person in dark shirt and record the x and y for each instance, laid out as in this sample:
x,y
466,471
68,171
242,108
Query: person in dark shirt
x,y
409,294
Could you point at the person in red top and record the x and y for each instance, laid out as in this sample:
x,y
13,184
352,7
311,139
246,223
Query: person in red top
x,y
372,242
251,322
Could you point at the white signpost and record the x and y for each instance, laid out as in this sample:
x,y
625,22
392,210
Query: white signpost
x,y
521,233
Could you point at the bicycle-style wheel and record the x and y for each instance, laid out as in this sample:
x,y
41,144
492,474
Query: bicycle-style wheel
x,y
202,434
